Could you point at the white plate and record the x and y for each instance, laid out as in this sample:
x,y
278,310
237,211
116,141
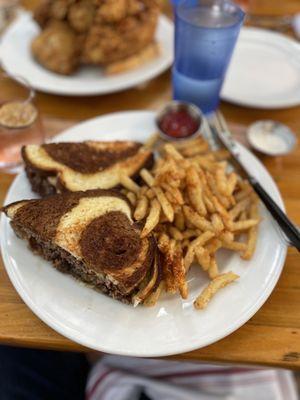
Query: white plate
x,y
264,71
16,59
173,326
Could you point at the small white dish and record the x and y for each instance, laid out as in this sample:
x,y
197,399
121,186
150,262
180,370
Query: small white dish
x,y
264,71
173,326
16,59
271,137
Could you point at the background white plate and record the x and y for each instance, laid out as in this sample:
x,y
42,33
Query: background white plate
x,y
16,59
264,71
173,326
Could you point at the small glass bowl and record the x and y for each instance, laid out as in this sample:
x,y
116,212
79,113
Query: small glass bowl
x,y
17,98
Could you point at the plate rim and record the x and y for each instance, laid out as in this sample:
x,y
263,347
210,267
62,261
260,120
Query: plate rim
x,y
77,339
164,62
281,104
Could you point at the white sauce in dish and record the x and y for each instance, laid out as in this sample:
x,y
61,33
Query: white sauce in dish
x,y
270,142
271,137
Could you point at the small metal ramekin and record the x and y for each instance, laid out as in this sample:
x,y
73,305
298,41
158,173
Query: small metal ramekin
x,y
175,105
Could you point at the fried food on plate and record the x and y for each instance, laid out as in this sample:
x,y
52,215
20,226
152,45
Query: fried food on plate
x,y
57,49
194,207
81,16
117,32
111,10
108,43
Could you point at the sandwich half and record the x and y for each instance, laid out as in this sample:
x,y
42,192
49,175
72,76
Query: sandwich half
x,y
92,236
57,167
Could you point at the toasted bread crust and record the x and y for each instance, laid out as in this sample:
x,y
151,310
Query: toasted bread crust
x,y
51,176
87,158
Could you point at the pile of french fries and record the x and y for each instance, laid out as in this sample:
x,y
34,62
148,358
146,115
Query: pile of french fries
x,y
194,207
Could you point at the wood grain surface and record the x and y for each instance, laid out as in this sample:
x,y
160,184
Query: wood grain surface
x,y
272,336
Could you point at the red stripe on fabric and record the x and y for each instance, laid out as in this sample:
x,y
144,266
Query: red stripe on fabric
x,y
226,371
90,393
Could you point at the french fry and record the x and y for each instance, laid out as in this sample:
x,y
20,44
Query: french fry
x,y
167,247
217,223
238,208
152,140
213,245
194,189
221,181
170,197
179,272
163,242
189,233
223,200
129,184
179,221
165,204
150,194
198,148
244,225
243,216
174,192
227,236
213,287
202,239
147,177
171,151
175,233
131,197
223,213
195,219
182,144
243,193
213,270
227,239
185,243
203,257
152,219
236,246
231,183
189,258
141,208
252,235
221,154
208,203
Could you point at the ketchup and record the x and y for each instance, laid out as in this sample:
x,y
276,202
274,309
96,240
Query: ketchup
x,y
178,124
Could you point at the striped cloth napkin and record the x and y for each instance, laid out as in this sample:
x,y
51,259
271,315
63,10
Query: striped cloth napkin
x,y
126,378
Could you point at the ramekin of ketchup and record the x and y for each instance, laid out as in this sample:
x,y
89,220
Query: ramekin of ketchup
x,y
179,120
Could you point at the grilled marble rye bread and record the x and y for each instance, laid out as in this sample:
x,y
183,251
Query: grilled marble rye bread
x,y
90,235
59,167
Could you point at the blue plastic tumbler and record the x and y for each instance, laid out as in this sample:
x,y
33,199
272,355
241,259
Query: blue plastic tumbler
x,y
205,35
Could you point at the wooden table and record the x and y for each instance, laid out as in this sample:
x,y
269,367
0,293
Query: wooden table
x,y
272,336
